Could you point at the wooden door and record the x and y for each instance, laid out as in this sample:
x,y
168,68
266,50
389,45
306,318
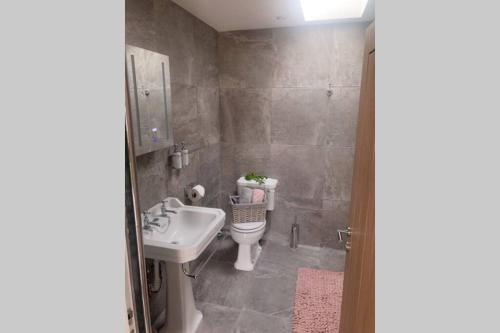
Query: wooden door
x,y
131,325
358,300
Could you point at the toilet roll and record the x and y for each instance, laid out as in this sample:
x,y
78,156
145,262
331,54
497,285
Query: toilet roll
x,y
196,193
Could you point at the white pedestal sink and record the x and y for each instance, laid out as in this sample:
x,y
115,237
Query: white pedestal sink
x,y
190,231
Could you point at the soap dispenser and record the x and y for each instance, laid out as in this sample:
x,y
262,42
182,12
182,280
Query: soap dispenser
x,y
176,158
185,155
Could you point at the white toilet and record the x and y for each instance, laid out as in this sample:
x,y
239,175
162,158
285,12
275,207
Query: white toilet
x,y
247,235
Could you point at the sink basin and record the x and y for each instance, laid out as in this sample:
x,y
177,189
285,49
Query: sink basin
x,y
189,233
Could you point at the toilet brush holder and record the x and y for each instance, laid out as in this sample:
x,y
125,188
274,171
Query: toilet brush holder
x,y
294,237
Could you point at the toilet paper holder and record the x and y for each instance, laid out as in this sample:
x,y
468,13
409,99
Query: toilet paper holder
x,y
188,190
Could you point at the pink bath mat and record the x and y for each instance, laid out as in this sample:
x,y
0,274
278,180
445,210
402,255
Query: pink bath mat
x,y
318,297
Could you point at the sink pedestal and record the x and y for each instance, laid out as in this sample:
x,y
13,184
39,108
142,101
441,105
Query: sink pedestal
x,y
182,315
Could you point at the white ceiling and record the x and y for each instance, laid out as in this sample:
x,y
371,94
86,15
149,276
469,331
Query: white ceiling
x,y
229,15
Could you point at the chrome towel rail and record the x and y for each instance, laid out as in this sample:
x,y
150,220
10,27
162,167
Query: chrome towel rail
x,y
221,236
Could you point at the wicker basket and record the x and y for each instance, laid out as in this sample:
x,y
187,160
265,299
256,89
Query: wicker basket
x,y
247,212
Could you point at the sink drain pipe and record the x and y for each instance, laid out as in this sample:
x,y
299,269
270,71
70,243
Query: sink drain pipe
x,y
156,285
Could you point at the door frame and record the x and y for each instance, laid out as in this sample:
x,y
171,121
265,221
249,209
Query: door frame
x,y
133,230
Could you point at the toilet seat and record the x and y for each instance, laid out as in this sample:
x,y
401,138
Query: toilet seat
x,y
248,227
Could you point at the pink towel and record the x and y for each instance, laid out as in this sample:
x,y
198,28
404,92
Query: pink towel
x,y
257,196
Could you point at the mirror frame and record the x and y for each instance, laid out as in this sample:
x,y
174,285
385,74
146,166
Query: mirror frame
x,y
149,99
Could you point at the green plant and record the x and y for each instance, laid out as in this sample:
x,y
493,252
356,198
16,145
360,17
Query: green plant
x,y
257,178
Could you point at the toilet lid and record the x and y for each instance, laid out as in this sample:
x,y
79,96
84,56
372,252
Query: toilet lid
x,y
248,226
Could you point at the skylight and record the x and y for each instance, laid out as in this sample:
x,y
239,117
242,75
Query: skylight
x,y
321,10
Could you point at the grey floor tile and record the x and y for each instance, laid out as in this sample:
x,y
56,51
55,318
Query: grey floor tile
x,y
332,259
283,257
262,300
217,318
227,252
219,283
254,322
272,291
276,237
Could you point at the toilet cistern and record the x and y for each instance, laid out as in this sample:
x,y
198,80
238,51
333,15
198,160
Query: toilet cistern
x,y
269,186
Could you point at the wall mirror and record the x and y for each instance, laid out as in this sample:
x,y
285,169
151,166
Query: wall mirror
x,y
149,98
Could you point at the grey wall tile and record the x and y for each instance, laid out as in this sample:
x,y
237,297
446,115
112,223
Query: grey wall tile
x,y
246,59
208,115
205,56
299,116
304,55
176,39
211,202
338,173
225,205
335,216
184,104
341,129
240,159
185,115
343,117
164,27
139,28
246,115
312,136
299,170
209,172
312,227
310,222
347,62
280,220
161,26
151,178
177,180
318,227
345,100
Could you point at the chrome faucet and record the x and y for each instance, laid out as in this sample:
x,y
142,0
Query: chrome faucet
x,y
147,223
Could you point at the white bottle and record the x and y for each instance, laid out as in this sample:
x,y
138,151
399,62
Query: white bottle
x,y
185,155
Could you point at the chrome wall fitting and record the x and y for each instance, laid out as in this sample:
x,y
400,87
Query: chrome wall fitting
x,y
294,237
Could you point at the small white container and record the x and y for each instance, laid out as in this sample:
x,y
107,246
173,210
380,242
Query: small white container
x,y
185,157
177,160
